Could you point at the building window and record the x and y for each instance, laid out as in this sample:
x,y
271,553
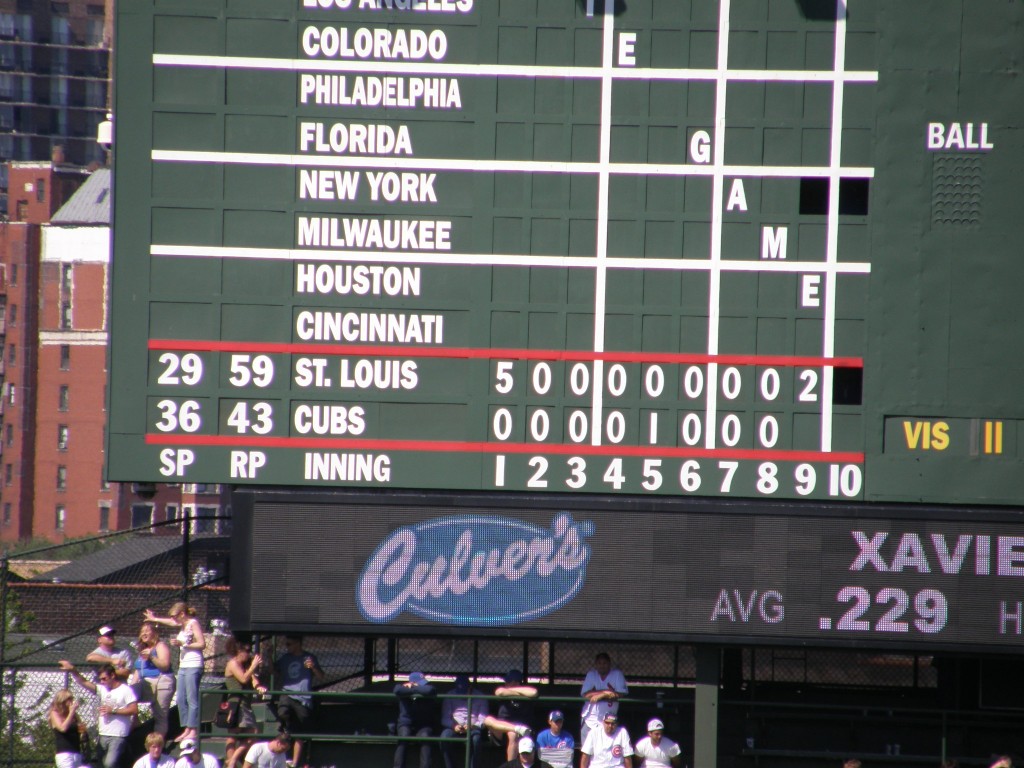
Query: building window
x,y
205,520
10,434
65,357
14,314
20,214
65,278
41,190
8,474
12,353
65,315
104,518
14,274
142,515
62,437
60,517
7,513
63,397
62,477
11,392
172,512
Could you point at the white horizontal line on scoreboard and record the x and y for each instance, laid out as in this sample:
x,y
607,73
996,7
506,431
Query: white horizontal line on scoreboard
x,y
506,260
508,70
507,166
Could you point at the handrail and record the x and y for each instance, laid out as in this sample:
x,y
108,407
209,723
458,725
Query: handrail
x,y
388,696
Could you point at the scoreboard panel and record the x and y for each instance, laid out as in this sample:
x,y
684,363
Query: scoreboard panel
x,y
737,249
881,576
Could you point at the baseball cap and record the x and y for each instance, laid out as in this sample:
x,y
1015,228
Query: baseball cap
x,y
526,745
611,717
417,678
187,747
555,714
514,676
655,725
105,630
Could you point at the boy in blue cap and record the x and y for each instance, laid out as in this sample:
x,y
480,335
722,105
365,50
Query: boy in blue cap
x,y
554,743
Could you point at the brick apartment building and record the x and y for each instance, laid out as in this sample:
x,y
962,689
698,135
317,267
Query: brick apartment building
x,y
38,190
55,257
54,79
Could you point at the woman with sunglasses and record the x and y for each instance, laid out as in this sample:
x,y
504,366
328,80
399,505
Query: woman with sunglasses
x,y
152,677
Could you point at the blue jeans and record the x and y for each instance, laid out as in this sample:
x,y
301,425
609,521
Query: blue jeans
x,y
188,696
110,749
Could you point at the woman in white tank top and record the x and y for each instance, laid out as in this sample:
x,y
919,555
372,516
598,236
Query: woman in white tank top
x,y
190,641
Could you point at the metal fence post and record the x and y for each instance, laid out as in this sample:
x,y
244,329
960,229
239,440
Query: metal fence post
x,y
4,620
186,530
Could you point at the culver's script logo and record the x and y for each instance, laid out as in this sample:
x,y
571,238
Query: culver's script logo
x,y
470,569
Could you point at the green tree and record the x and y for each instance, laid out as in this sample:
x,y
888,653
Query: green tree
x,y
25,736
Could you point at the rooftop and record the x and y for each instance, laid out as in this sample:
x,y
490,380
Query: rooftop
x,y
90,204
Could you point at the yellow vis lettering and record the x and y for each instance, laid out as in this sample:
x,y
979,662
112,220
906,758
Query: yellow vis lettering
x,y
926,435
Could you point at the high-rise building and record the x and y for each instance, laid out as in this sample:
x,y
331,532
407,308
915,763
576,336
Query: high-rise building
x,y
38,189
54,263
54,79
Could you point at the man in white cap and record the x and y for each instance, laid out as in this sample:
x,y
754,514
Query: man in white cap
x,y
107,652
608,746
527,757
191,757
655,750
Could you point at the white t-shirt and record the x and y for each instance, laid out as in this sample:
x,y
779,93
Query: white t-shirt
x,y
208,761
117,698
165,761
594,711
660,755
259,755
607,751
118,657
189,658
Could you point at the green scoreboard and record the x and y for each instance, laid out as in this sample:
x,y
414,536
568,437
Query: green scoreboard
x,y
763,249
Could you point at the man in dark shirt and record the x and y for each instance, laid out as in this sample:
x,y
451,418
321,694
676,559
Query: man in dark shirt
x,y
417,715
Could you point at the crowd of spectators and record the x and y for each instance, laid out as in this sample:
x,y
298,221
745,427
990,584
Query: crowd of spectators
x,y
466,712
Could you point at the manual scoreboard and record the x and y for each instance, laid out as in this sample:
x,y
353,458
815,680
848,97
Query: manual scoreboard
x,y
746,248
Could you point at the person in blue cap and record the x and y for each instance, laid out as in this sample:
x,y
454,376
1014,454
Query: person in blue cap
x,y
555,744
417,715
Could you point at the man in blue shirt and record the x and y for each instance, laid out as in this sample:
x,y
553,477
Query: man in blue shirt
x,y
555,743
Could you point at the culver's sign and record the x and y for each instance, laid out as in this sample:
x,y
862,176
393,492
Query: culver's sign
x,y
474,569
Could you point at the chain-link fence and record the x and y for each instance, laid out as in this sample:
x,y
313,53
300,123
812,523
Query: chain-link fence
x,y
56,598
